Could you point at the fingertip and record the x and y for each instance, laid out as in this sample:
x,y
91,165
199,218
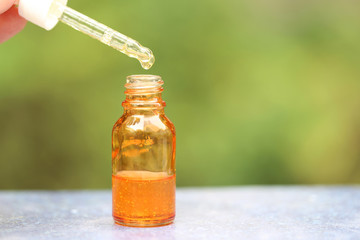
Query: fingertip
x,y
14,24
6,5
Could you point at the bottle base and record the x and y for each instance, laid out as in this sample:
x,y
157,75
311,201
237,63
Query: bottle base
x,y
130,222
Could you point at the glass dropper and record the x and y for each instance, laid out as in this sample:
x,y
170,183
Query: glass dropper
x,y
46,13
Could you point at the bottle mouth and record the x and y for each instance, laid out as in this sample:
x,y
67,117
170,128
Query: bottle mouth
x,y
143,82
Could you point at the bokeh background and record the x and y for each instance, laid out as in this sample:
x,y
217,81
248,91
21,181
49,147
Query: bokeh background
x,y
260,92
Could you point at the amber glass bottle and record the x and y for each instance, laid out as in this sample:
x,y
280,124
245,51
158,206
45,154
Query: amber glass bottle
x,y
143,157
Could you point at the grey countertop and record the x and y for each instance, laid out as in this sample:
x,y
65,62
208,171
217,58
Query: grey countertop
x,y
278,212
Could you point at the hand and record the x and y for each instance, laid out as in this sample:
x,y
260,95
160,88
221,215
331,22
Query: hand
x,y
10,21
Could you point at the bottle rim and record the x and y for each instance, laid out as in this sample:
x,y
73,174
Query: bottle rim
x,y
143,81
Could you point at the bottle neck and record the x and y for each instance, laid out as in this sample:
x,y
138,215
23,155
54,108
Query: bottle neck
x,y
143,92
143,101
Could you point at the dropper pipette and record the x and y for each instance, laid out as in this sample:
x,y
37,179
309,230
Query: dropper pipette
x,y
46,13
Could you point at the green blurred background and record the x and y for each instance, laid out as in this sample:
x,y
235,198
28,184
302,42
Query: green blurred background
x,y
260,92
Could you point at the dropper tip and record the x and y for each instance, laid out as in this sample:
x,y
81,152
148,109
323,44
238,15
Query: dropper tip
x,y
149,61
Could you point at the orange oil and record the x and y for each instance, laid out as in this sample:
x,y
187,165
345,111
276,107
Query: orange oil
x,y
143,198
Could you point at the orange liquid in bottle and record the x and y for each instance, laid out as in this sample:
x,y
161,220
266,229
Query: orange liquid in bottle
x,y
143,198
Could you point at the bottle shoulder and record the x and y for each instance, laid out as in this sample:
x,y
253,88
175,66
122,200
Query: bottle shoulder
x,y
144,122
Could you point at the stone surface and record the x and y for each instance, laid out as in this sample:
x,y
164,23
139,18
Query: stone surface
x,y
294,212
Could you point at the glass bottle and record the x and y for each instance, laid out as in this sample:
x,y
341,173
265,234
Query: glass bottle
x,y
143,157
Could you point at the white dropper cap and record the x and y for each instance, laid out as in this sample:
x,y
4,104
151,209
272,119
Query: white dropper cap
x,y
44,13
